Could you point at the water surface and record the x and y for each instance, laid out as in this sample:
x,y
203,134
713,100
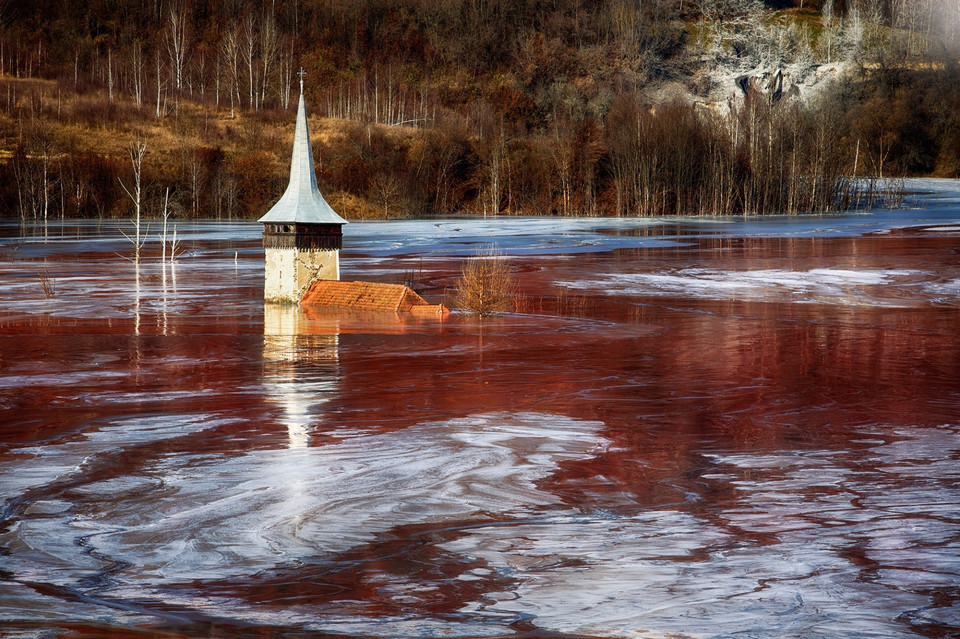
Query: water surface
x,y
696,428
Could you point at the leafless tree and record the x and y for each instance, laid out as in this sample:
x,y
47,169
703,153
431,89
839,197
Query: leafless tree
x,y
110,74
195,176
45,148
137,64
230,60
386,190
623,132
199,75
178,42
830,30
137,150
34,166
286,69
166,215
250,41
564,154
159,81
495,165
269,49
486,285
725,15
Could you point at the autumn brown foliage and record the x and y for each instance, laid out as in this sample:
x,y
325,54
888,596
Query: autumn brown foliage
x,y
500,107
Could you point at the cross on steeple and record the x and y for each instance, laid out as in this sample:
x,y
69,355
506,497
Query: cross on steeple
x,y
301,74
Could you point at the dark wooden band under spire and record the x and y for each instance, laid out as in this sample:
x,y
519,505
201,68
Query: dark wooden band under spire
x,y
303,236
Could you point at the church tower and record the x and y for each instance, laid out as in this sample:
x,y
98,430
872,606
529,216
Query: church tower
x,y
302,235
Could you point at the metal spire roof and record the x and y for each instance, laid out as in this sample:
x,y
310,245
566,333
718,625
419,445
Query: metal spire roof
x,y
302,202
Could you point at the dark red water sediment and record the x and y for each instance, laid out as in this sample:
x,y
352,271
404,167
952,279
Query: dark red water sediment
x,y
737,436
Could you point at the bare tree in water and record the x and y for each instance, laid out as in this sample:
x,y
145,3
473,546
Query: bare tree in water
x,y
137,150
486,285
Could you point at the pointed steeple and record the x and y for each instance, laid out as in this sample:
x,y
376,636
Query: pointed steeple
x,y
302,202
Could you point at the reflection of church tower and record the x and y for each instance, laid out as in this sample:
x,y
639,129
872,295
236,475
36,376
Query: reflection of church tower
x,y
300,368
301,233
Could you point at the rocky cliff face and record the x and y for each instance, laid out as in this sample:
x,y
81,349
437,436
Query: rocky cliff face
x,y
719,87
806,82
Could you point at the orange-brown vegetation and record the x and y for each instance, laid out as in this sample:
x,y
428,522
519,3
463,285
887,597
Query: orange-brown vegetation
x,y
486,285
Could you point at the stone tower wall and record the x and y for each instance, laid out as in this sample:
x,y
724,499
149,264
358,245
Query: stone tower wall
x,y
289,272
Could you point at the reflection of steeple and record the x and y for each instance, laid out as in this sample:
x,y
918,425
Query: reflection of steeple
x,y
300,368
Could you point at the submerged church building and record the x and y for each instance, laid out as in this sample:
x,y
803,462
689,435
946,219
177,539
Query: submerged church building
x,y
302,238
302,235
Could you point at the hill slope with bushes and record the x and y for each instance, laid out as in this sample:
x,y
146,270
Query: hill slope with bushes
x,y
607,107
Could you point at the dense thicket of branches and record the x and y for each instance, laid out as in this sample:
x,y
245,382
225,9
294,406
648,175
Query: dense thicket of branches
x,y
519,106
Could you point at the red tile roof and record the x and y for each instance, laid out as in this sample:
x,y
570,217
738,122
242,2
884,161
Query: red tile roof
x,y
369,296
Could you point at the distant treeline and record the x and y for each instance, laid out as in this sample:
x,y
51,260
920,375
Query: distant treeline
x,y
473,106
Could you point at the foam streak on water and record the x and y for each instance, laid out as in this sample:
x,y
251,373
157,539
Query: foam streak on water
x,y
838,554
187,518
889,287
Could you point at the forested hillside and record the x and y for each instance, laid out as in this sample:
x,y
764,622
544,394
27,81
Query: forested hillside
x,y
602,107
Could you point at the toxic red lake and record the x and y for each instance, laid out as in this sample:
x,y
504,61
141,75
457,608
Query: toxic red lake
x,y
687,428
